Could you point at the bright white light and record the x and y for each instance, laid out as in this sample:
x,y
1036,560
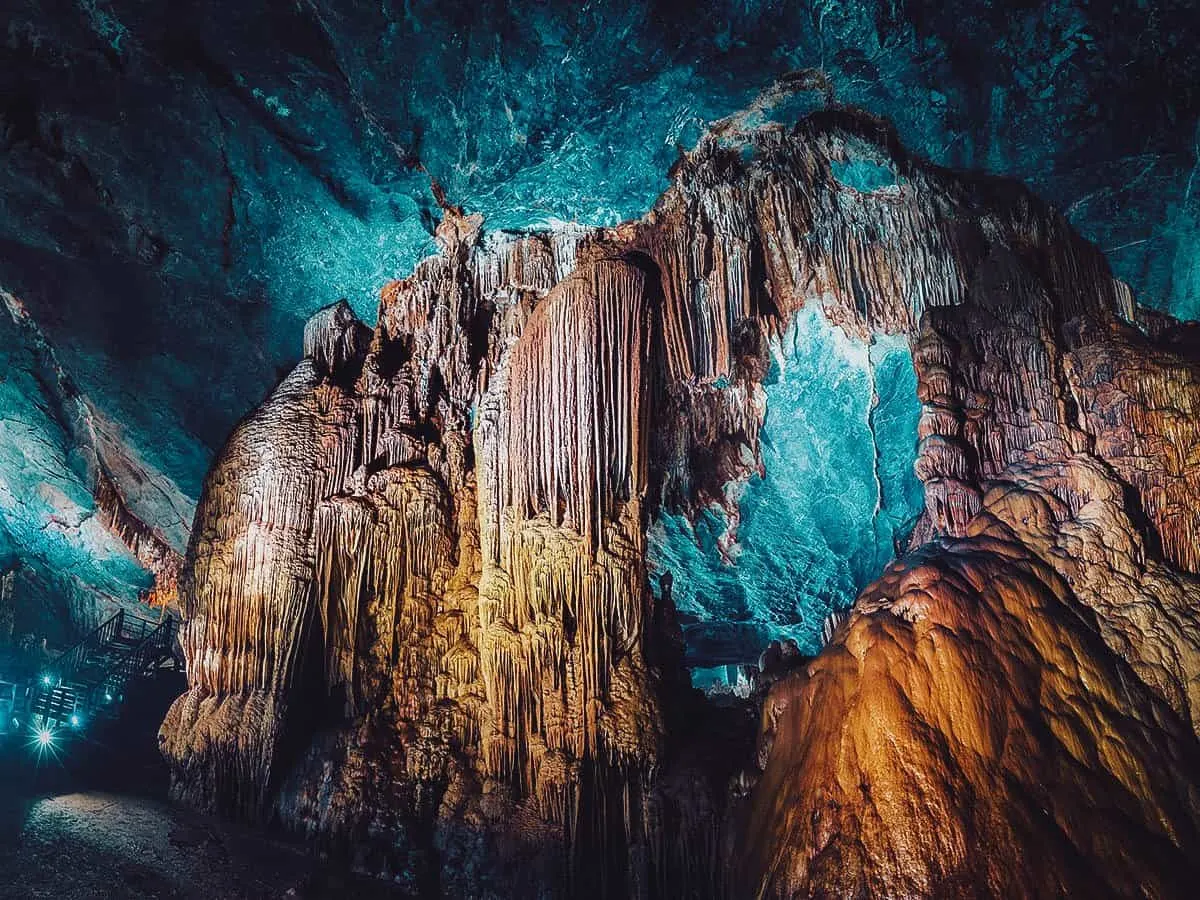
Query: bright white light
x,y
45,737
46,679
108,698
74,721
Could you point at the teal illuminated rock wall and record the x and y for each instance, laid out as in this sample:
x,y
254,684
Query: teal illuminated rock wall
x,y
50,532
836,496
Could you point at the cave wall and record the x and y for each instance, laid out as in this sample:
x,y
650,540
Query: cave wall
x,y
439,528
184,187
969,733
86,528
835,487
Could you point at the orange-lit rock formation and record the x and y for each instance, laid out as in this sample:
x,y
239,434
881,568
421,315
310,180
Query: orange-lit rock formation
x,y
968,733
419,625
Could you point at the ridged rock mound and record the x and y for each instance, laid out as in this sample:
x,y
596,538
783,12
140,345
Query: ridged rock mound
x,y
969,733
419,626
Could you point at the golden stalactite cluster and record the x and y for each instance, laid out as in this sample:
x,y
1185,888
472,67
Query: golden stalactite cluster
x,y
416,595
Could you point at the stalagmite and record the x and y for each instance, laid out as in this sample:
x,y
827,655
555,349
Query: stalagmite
x,y
969,734
438,528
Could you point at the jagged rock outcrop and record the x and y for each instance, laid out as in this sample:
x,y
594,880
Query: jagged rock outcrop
x,y
1139,400
86,526
439,529
183,187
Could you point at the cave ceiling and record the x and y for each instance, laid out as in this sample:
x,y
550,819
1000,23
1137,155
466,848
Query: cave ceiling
x,y
182,186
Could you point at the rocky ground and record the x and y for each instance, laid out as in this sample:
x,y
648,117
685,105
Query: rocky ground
x,y
93,821
96,844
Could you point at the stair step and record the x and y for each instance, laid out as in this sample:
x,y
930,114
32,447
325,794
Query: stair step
x,y
122,648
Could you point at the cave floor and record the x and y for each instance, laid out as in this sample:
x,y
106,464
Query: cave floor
x,y
95,844
93,821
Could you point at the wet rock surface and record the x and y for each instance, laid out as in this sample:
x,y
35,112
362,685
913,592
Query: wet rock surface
x,y
970,731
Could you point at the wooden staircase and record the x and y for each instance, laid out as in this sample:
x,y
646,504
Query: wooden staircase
x,y
90,679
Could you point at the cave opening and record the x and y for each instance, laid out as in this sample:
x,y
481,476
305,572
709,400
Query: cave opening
x,y
834,503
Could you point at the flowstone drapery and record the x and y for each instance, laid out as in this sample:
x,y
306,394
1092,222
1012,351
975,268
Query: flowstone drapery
x,y
438,528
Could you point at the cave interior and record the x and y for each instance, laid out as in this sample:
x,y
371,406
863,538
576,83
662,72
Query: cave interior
x,y
739,449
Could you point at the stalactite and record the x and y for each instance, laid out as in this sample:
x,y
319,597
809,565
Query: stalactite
x,y
333,337
453,515
1140,402
574,434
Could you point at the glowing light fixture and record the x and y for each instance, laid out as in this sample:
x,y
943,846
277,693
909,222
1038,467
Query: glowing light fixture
x,y
46,680
107,698
75,721
45,737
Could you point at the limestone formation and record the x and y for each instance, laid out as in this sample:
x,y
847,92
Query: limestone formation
x,y
969,734
419,626
129,501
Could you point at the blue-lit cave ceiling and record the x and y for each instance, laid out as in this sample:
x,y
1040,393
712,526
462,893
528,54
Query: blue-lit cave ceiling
x,y
182,185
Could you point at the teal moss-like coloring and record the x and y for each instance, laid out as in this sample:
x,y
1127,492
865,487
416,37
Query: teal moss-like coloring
x,y
865,176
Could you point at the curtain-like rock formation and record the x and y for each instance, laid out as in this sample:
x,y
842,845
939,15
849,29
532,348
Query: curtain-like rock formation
x,y
438,530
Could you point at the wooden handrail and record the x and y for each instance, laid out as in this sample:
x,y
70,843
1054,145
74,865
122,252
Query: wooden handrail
x,y
138,627
67,663
157,642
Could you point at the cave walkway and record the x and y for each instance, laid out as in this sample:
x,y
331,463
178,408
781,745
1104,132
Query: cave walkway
x,y
90,678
